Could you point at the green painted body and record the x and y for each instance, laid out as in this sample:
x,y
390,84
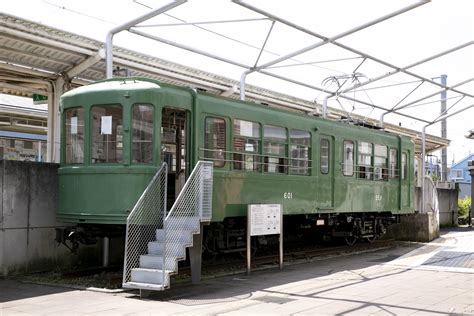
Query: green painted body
x,y
104,194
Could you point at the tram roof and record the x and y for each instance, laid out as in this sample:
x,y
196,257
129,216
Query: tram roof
x,y
32,54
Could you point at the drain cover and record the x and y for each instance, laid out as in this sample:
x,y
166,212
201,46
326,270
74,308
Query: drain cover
x,y
453,259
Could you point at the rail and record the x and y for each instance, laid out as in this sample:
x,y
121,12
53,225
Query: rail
x,y
298,166
146,217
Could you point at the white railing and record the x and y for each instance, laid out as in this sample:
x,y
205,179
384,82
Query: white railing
x,y
146,217
193,205
430,194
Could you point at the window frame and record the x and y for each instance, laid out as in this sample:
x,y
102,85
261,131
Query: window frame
x,y
224,150
308,147
344,158
328,158
282,159
384,168
91,134
256,155
370,166
153,137
393,170
404,166
84,125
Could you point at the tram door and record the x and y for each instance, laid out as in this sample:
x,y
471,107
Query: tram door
x,y
326,171
173,150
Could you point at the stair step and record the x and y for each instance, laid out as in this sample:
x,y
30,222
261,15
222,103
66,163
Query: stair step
x,y
183,222
150,276
156,262
144,286
184,236
174,249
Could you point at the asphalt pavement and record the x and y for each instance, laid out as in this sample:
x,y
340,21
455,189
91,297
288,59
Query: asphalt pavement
x,y
436,278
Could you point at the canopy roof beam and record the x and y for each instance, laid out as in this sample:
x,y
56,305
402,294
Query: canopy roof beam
x,y
127,26
132,27
325,40
443,116
398,108
86,64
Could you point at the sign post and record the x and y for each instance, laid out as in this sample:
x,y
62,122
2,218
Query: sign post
x,y
264,219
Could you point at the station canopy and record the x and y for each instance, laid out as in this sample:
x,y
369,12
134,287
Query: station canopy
x,y
362,59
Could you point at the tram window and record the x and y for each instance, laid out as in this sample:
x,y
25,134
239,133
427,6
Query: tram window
x,y
299,151
393,170
214,141
246,145
74,127
380,162
324,156
275,143
404,166
348,158
365,161
107,138
142,131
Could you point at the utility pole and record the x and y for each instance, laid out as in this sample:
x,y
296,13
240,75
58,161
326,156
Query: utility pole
x,y
470,168
444,134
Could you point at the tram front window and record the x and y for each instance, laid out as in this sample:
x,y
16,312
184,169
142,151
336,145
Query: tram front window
x,y
142,125
107,138
74,127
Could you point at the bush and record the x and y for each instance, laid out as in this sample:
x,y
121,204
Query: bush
x,y
464,205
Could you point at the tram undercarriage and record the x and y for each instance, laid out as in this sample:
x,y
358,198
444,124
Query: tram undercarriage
x,y
230,235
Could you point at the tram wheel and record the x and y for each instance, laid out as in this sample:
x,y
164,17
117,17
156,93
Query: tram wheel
x,y
370,239
253,250
350,240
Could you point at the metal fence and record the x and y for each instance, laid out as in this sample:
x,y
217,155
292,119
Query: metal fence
x,y
146,217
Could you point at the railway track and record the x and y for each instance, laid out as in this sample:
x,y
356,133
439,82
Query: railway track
x,y
111,277
233,265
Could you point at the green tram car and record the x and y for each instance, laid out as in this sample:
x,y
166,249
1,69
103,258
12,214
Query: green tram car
x,y
337,178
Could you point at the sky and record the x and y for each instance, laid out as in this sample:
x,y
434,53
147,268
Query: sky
x,y
400,41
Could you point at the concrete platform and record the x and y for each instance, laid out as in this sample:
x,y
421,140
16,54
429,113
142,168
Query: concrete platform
x,y
421,279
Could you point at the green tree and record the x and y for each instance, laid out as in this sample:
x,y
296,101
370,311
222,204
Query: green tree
x,y
464,205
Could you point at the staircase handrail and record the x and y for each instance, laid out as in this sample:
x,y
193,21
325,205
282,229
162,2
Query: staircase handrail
x,y
143,221
196,195
197,168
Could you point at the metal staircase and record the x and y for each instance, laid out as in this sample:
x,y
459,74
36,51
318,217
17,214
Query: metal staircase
x,y
157,240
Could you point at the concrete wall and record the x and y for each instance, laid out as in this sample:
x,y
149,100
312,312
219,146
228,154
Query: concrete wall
x,y
425,227
28,219
448,205
415,227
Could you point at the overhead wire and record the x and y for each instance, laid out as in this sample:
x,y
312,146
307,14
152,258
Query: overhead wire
x,y
78,12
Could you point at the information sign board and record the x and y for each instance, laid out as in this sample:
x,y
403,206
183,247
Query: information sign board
x,y
264,219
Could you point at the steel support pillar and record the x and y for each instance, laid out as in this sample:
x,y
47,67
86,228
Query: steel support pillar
x,y
105,251
195,256
127,26
470,167
423,151
54,119
444,133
